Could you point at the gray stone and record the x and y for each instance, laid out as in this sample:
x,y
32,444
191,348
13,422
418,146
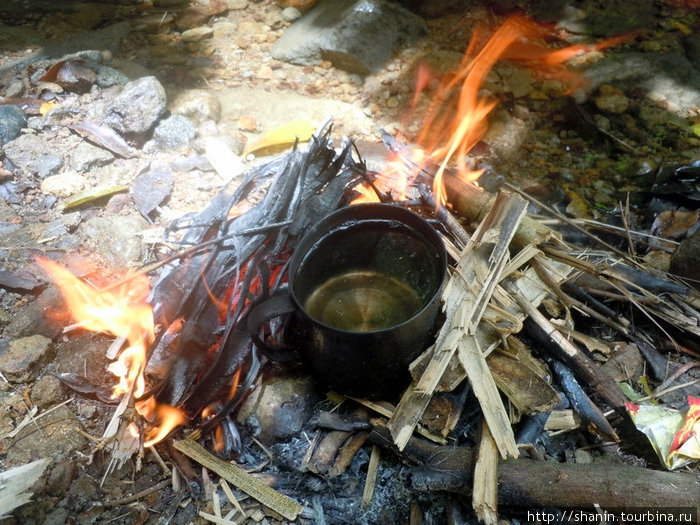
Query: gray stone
x,y
198,105
12,120
58,516
87,157
279,409
290,14
35,318
25,149
685,260
173,133
137,107
116,238
108,76
21,361
355,35
45,165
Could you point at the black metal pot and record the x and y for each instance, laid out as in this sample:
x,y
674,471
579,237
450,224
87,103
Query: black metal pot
x,y
364,285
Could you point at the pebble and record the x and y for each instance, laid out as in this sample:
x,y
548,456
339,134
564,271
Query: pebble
x,y
25,149
137,107
115,238
87,157
47,391
279,409
197,34
198,105
173,133
45,165
248,123
24,357
237,5
290,14
12,120
64,184
611,99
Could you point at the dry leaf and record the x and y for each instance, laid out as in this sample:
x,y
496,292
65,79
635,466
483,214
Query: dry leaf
x,y
283,138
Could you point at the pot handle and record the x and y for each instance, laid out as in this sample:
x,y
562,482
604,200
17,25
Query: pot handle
x,y
278,304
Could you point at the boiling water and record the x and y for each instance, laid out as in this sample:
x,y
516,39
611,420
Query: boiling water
x,y
363,301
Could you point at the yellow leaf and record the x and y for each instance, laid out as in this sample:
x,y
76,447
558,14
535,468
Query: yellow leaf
x,y
282,138
46,107
695,129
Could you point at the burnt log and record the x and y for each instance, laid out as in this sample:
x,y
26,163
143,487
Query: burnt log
x,y
526,483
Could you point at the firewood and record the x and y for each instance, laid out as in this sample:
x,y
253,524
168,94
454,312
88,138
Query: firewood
x,y
528,484
466,297
269,497
485,493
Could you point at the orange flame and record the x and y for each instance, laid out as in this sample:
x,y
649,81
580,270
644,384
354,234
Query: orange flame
x,y
164,419
457,116
121,312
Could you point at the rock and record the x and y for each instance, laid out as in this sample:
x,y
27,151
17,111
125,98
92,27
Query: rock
x,y
115,238
198,105
25,149
196,34
611,99
248,123
47,392
87,157
668,74
59,438
137,107
301,5
23,358
12,120
45,165
290,14
224,29
58,516
64,184
237,5
280,408
173,133
355,35
36,316
685,260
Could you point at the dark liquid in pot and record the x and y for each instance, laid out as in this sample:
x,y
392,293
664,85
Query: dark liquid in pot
x,y
363,301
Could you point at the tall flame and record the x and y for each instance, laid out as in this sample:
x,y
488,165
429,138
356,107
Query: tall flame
x,y
121,312
457,116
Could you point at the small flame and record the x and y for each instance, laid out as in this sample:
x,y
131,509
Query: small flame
x,y
164,419
121,311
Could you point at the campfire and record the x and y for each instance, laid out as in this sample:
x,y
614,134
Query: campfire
x,y
185,357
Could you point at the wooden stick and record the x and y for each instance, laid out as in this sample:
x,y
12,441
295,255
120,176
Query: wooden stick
x,y
532,484
252,486
596,378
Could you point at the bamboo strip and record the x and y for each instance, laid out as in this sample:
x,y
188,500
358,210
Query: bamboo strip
x,y
255,488
485,492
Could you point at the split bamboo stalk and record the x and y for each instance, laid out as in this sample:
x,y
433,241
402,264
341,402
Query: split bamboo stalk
x,y
485,492
252,486
465,297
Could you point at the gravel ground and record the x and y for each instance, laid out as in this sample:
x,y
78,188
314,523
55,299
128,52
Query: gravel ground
x,y
582,154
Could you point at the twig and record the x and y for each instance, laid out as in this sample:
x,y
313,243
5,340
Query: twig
x,y
130,499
